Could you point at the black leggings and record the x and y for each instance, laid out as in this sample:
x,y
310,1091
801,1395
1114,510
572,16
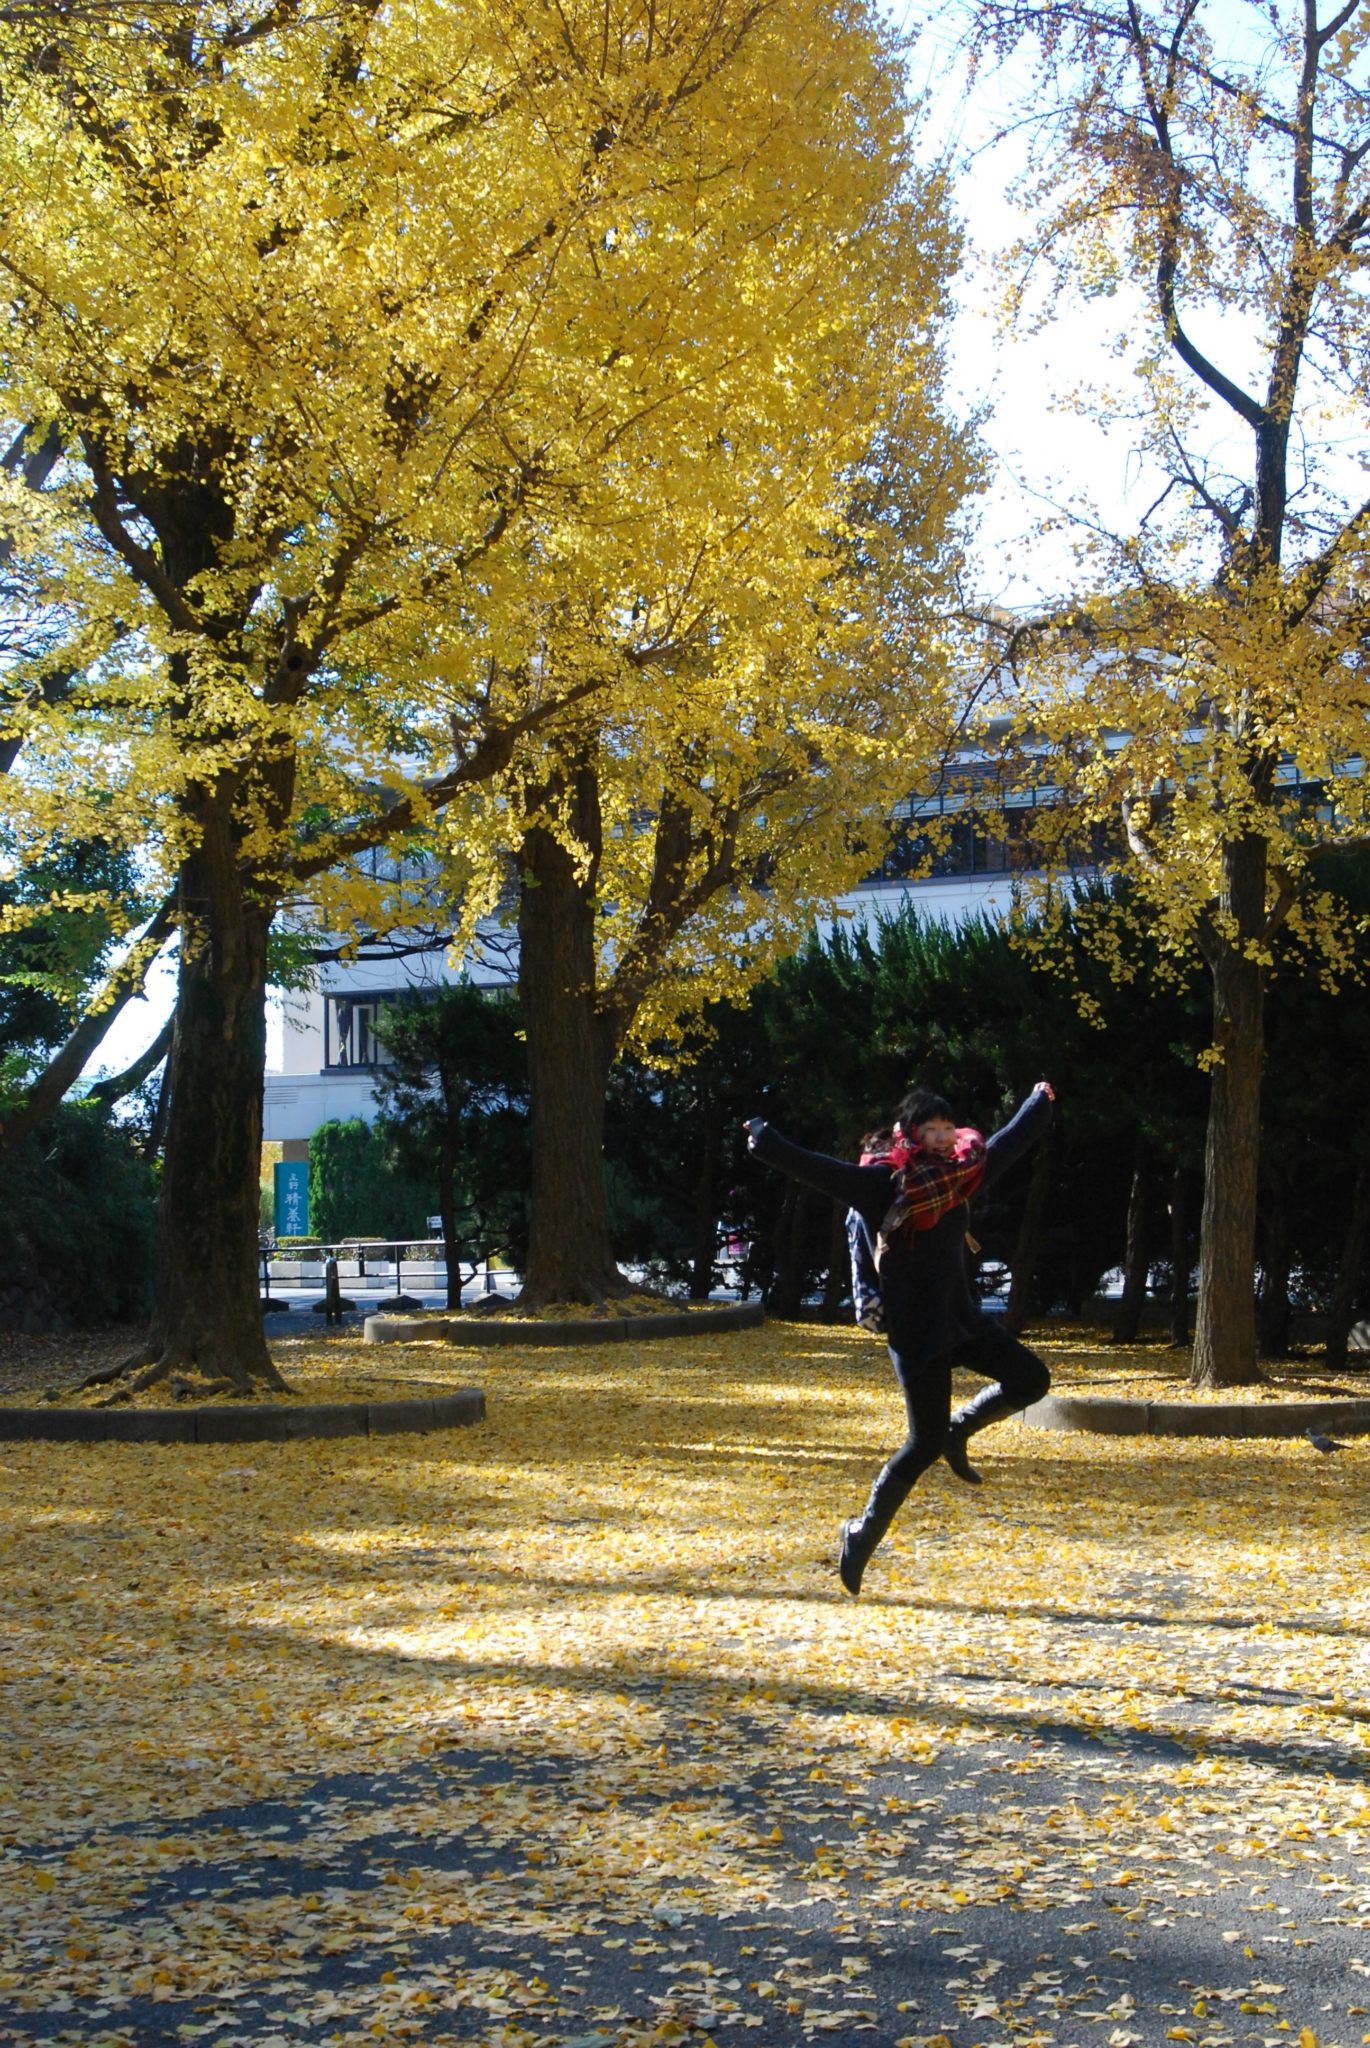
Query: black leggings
x,y
1018,1375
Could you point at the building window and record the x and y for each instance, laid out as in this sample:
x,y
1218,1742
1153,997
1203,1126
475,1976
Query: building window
x,y
349,1031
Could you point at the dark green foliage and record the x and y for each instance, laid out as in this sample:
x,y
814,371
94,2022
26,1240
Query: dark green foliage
x,y
48,965
78,1221
451,1137
829,1044
454,1113
672,1157
77,1204
357,1189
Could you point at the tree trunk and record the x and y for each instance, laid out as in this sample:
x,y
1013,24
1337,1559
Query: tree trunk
x,y
1029,1239
780,1245
789,1279
1179,1257
838,1281
1137,1259
1349,1271
447,1210
568,1070
206,1305
1225,1328
704,1247
1273,1321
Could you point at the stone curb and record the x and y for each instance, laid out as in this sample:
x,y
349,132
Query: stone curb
x,y
383,1329
1199,1418
268,1424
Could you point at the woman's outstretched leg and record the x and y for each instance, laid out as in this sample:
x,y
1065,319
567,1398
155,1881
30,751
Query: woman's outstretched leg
x,y
1018,1378
927,1397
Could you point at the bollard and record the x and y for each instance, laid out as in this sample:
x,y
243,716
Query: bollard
x,y
332,1295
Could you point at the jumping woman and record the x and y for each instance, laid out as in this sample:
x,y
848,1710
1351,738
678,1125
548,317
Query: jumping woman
x,y
914,1203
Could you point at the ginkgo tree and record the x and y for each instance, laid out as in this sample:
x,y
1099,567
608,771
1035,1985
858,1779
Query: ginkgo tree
x,y
781,675
1205,688
356,330
670,845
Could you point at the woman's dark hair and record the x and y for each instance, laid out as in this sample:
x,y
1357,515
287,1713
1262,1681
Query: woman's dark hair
x,y
878,1141
921,1106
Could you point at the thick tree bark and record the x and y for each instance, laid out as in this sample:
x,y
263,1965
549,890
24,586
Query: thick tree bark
x,y
1349,1270
1272,1326
1179,1257
1225,1327
569,1056
206,1306
783,1299
574,1028
156,1136
1029,1238
1137,1257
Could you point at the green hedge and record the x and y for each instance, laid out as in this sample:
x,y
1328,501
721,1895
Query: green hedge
x,y
78,1213
355,1190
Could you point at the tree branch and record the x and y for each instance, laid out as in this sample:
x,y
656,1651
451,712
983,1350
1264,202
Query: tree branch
x,y
1167,262
1289,887
119,1085
36,464
278,16
1144,851
492,753
142,561
1286,896
63,1068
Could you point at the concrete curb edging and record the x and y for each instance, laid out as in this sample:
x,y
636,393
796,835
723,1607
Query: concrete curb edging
x,y
1199,1418
271,1423
472,1330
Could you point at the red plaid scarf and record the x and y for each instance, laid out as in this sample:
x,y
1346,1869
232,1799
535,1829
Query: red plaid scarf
x,y
929,1187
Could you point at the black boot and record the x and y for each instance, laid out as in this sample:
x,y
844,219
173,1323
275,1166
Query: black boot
x,y
857,1545
955,1455
860,1538
989,1405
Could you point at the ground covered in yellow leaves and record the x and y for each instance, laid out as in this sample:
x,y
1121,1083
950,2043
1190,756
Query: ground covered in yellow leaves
x,y
320,1366
559,1729
1085,1361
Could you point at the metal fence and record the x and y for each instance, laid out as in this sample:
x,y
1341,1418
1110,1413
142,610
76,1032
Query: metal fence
x,y
353,1258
